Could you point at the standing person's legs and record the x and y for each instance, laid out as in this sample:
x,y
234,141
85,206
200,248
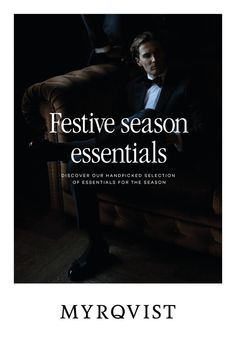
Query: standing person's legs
x,y
94,27
112,26
104,32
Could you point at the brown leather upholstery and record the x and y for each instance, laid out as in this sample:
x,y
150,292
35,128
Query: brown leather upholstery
x,y
188,213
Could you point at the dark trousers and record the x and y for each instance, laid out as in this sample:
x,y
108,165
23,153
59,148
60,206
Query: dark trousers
x,y
103,29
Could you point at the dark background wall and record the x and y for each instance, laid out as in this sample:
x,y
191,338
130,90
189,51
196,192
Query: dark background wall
x,y
49,45
45,46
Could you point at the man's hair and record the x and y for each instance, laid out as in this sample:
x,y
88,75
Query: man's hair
x,y
141,39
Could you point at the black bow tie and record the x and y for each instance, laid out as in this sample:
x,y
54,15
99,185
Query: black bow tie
x,y
158,81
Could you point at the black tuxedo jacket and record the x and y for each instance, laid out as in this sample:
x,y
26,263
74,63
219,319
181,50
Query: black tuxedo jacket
x,y
178,99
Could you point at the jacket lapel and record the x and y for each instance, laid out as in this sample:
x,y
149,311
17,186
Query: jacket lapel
x,y
167,90
139,96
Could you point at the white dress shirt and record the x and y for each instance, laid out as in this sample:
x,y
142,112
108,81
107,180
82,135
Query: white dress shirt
x,y
151,101
153,93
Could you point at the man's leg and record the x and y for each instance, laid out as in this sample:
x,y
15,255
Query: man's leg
x,y
104,32
96,256
94,27
49,151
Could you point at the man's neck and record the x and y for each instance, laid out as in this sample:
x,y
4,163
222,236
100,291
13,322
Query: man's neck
x,y
162,75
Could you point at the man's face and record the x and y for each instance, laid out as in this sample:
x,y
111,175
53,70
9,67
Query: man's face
x,y
152,58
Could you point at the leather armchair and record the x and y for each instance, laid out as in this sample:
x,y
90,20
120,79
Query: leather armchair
x,y
187,214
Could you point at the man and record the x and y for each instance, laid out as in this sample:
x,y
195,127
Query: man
x,y
169,94
157,93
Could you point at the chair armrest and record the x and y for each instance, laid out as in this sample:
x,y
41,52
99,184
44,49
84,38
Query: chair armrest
x,y
92,89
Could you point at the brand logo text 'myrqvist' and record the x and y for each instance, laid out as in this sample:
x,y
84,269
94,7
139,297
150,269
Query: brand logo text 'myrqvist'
x,y
118,311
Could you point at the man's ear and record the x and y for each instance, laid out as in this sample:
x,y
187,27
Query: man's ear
x,y
138,62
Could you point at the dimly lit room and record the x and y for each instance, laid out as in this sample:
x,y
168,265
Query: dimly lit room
x,y
169,232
